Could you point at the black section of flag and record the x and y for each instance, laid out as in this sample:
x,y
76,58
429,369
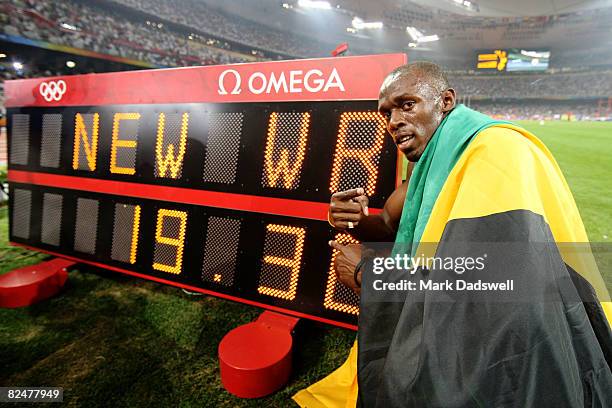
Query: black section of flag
x,y
462,349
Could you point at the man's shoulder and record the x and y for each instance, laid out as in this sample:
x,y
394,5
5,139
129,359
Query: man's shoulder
x,y
506,142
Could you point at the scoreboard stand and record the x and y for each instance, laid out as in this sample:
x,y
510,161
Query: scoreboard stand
x,y
255,358
32,284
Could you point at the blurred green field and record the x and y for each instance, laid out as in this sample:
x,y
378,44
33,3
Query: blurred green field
x,y
112,340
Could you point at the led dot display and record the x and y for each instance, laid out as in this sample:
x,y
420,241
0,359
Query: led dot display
x,y
283,250
169,240
85,153
171,144
125,233
20,139
285,149
123,150
51,219
21,212
229,199
222,147
358,149
86,229
221,250
50,146
337,296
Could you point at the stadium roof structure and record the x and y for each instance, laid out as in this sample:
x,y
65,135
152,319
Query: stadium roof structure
x,y
504,8
561,25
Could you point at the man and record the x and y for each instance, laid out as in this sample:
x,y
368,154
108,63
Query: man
x,y
478,187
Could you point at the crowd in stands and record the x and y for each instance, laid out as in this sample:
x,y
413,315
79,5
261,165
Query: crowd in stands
x,y
443,20
94,27
101,26
78,25
199,16
589,84
545,109
582,58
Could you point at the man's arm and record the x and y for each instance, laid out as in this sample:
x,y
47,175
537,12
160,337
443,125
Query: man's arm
x,y
383,227
352,206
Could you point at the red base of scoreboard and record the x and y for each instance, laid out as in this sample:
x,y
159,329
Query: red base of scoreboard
x,y
32,284
255,358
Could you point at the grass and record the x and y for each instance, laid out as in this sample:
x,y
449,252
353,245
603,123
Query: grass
x,y
112,340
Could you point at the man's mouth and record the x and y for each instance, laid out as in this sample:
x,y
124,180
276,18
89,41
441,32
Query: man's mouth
x,y
403,142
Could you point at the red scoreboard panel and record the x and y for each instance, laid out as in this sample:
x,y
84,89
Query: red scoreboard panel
x,y
215,179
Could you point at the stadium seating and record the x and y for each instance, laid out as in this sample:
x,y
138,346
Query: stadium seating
x,y
196,34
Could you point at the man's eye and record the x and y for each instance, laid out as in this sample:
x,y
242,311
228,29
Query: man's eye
x,y
408,105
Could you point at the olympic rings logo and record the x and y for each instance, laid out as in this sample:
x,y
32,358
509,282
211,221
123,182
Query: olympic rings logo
x,y
52,90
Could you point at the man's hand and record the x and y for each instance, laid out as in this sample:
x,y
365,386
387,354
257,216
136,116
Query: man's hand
x,y
346,207
347,259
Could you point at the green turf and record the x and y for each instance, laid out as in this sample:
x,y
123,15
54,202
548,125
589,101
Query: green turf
x,y
112,340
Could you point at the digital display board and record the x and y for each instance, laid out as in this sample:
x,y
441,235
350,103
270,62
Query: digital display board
x,y
513,60
215,179
526,60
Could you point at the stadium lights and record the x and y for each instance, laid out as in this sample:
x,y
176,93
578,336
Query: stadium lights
x,y
467,4
2,55
70,64
18,66
351,30
419,37
428,38
68,26
414,33
412,45
314,4
359,24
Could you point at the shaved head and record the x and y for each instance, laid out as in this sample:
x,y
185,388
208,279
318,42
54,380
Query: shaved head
x,y
428,72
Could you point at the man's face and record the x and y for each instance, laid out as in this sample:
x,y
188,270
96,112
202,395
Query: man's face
x,y
413,112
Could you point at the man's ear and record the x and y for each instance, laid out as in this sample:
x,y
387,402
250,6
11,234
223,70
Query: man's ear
x,y
448,100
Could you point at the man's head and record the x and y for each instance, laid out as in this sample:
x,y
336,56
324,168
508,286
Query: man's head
x,y
414,99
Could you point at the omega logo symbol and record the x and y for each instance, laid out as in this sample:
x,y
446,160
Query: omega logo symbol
x,y
236,90
52,90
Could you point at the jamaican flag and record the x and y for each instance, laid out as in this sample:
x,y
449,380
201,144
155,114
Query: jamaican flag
x,y
489,190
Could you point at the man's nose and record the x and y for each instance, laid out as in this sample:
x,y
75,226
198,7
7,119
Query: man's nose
x,y
396,120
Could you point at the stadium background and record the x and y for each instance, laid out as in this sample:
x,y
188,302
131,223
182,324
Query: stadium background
x,y
111,339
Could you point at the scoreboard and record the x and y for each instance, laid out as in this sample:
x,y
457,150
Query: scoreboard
x,y
512,60
215,179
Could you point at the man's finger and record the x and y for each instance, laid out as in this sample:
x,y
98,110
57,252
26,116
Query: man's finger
x,y
353,217
348,194
346,206
363,201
